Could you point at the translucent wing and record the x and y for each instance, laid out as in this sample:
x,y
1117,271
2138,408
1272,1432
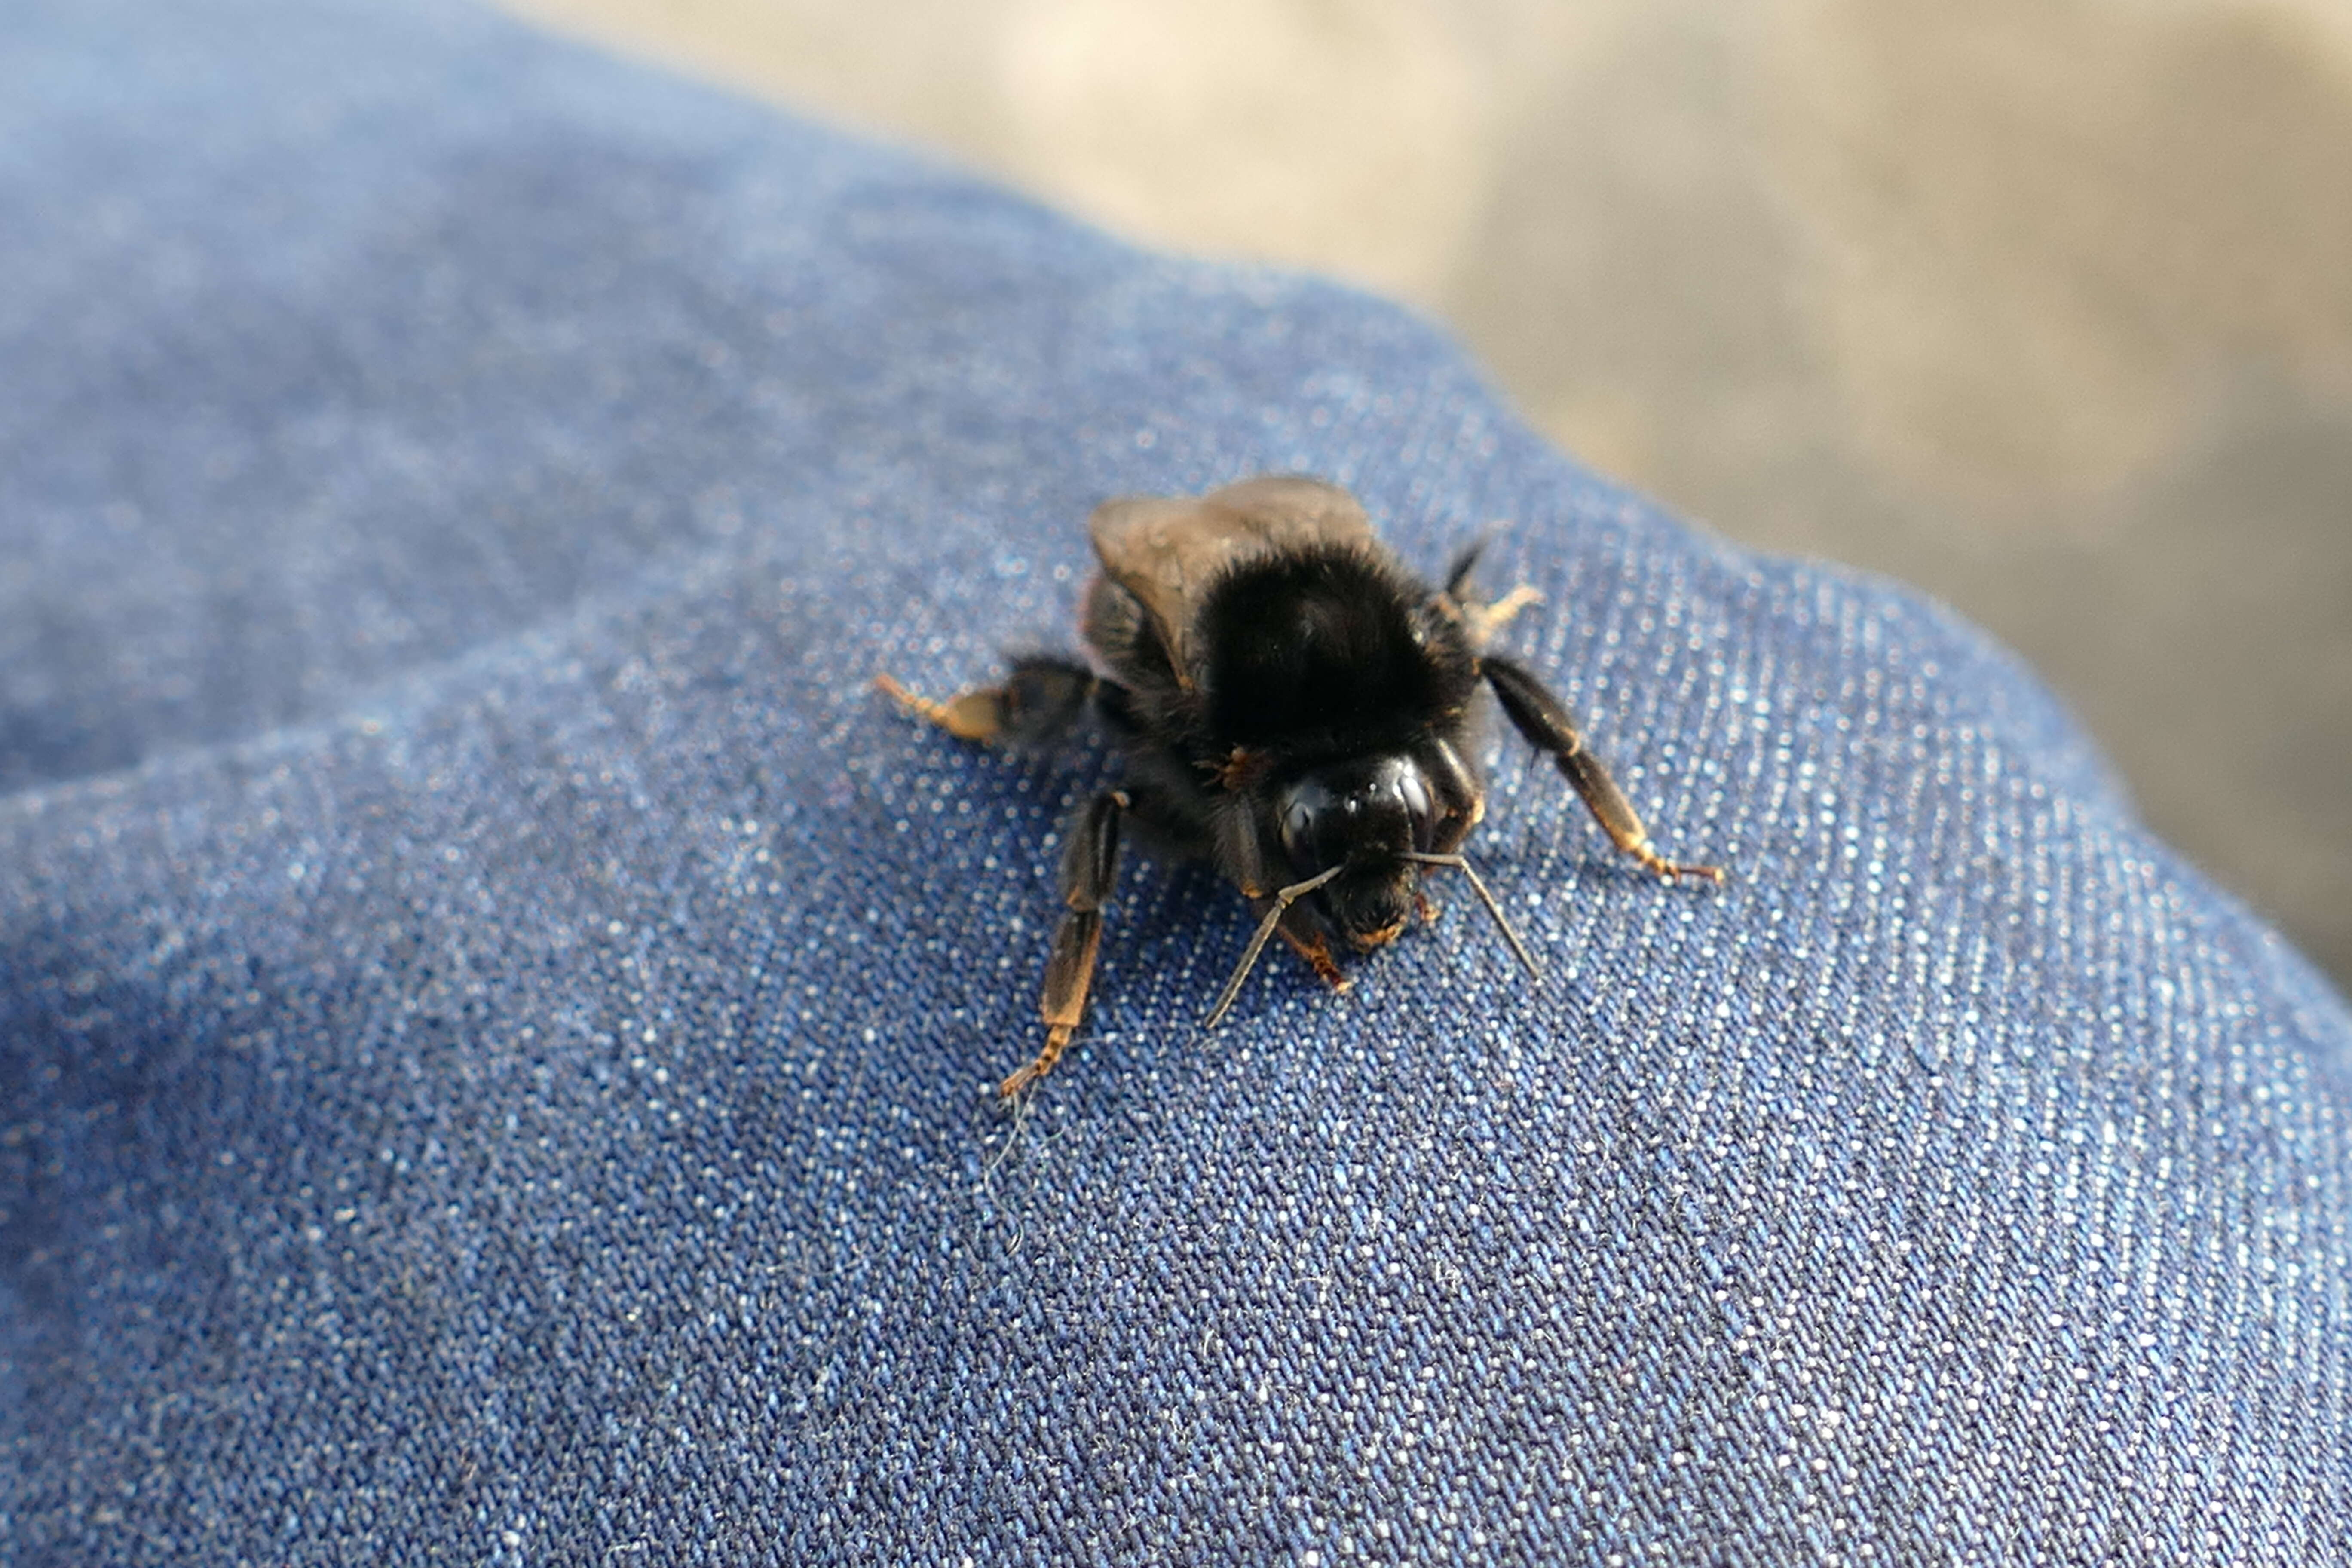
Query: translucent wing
x,y
1166,550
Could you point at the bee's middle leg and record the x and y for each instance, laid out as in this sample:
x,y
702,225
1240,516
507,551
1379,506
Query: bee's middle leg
x,y
1089,867
1540,718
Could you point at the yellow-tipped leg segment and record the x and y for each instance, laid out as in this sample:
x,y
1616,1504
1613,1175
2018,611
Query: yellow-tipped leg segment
x,y
1317,955
1056,1038
974,715
1671,870
1089,867
1485,620
1539,717
1042,698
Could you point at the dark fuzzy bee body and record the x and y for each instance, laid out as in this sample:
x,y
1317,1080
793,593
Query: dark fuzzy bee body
x,y
1293,706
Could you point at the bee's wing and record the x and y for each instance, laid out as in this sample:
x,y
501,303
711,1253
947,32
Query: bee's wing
x,y
1166,550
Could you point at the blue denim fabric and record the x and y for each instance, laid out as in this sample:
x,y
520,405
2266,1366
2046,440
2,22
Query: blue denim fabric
x,y
494,1011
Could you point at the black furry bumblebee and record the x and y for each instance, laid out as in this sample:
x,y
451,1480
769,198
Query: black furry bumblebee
x,y
1293,706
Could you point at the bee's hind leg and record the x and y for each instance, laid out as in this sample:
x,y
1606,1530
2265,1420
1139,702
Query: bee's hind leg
x,y
1042,697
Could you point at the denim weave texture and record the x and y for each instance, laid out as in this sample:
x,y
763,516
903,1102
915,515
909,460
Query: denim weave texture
x,y
495,1013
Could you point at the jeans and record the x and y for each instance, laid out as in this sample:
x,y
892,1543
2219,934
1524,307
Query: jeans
x,y
495,1013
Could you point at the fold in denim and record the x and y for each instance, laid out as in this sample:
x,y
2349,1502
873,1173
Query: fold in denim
x,y
495,1014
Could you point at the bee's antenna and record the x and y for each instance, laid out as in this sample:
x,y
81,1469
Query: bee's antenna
x,y
1478,885
1282,902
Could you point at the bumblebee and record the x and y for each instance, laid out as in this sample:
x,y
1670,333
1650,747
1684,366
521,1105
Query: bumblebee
x,y
1292,705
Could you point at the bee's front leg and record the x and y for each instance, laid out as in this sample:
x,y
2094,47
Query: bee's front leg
x,y
1540,718
1316,951
1089,867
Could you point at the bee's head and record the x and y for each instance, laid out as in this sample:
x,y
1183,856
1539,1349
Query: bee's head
x,y
1363,815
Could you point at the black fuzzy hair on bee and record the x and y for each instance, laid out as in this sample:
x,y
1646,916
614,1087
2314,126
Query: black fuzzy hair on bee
x,y
1293,707
1329,649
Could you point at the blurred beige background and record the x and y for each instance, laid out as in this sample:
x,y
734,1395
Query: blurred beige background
x,y
2045,305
